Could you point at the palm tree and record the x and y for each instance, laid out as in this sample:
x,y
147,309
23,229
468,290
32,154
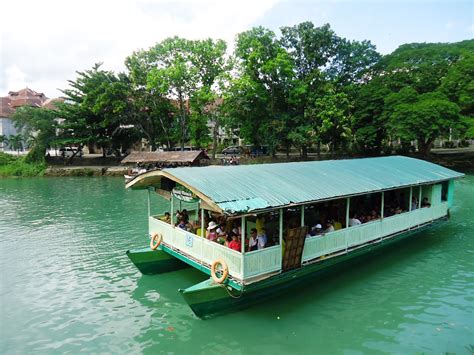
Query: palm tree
x,y
3,141
16,142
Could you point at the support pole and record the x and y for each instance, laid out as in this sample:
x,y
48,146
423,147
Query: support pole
x,y
172,209
302,215
411,196
419,197
242,247
280,236
383,203
348,205
202,220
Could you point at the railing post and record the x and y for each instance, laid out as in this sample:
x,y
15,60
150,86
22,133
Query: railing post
x,y
242,247
302,215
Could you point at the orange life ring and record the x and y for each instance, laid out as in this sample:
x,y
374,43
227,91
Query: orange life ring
x,y
155,241
225,271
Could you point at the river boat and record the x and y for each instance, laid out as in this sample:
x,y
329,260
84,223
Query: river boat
x,y
308,217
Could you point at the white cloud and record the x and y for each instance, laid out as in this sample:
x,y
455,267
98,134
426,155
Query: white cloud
x,y
45,42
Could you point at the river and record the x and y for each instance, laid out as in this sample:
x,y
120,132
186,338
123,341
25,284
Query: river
x,y
67,286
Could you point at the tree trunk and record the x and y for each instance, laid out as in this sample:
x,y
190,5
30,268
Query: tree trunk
x,y
424,148
304,151
318,150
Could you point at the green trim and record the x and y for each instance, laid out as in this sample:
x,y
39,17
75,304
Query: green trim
x,y
151,262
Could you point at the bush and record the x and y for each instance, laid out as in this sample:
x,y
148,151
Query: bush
x,y
463,143
16,166
448,144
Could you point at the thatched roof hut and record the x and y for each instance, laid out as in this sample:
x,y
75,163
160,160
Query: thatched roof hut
x,y
186,158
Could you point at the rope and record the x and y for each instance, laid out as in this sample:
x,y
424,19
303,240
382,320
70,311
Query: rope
x,y
230,293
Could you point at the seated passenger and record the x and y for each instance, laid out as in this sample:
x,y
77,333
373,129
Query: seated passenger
x,y
354,221
253,240
262,239
329,228
425,203
166,218
211,231
182,224
316,230
184,215
414,203
235,243
337,225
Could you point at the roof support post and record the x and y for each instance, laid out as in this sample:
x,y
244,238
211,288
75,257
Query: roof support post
x,y
202,220
411,197
242,246
302,215
280,236
382,207
149,203
348,205
419,196
172,208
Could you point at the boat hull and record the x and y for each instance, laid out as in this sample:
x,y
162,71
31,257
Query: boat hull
x,y
151,262
208,299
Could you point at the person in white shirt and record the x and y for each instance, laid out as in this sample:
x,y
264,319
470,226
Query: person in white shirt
x,y
354,221
262,239
329,228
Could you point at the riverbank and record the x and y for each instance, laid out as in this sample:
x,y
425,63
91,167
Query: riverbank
x,y
457,159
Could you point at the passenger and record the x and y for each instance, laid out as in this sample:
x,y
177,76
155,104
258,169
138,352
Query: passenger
x,y
182,224
235,243
228,239
414,203
166,218
425,203
354,221
329,228
253,240
337,225
211,231
316,230
262,239
374,215
184,214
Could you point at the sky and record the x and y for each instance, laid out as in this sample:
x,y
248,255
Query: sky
x,y
43,43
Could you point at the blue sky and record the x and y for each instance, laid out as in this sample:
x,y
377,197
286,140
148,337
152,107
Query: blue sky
x,y
386,24
43,43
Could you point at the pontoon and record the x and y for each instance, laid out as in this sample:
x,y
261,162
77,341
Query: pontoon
x,y
313,215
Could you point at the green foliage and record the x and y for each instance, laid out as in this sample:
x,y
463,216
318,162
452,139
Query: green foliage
x,y
17,166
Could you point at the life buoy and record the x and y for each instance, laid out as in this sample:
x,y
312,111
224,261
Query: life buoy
x,y
225,271
155,241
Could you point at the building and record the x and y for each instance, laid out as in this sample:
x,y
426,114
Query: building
x,y
15,99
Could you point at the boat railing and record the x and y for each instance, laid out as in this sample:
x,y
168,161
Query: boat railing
x,y
357,235
262,261
199,248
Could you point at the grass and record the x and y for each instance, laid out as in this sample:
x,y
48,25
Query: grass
x,y
16,166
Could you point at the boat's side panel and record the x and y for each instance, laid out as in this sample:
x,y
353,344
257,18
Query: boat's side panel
x,y
207,299
154,261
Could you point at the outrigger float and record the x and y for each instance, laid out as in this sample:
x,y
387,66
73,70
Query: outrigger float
x,y
284,201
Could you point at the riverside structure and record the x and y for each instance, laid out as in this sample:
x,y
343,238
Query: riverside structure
x,y
286,202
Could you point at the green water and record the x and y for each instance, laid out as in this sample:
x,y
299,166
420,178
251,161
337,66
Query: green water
x,y
66,286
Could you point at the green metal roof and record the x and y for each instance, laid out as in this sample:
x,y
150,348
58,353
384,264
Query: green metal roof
x,y
246,188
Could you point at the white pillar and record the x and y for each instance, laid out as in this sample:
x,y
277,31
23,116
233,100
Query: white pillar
x,y
419,197
348,204
383,203
280,236
411,196
172,209
202,220
242,247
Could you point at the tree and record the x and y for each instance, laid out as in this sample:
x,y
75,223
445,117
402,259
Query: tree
x,y
3,141
16,142
39,126
96,105
458,86
257,100
421,117
151,111
174,75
